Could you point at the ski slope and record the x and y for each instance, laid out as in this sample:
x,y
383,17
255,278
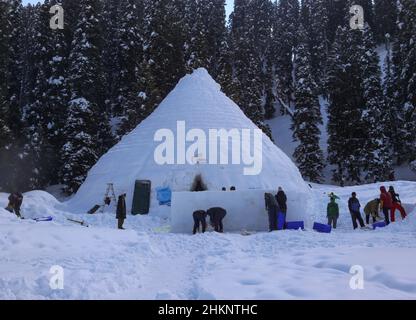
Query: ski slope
x,y
148,262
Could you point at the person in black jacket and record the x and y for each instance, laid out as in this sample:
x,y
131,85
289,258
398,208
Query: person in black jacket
x,y
200,217
281,199
354,206
15,203
272,208
121,211
216,216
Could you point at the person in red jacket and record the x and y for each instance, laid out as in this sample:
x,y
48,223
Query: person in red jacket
x,y
397,205
386,203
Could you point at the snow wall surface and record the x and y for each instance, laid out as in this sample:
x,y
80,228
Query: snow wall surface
x,y
245,209
197,101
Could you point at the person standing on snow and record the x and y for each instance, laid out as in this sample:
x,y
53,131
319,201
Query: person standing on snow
x,y
372,209
282,202
15,203
272,208
200,218
121,211
281,199
386,203
332,212
354,206
216,216
397,205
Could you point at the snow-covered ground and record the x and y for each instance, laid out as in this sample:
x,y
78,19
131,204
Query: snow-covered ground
x,y
148,262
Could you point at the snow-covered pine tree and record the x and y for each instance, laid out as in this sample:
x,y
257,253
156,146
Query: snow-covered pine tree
x,y
205,33
196,45
164,61
37,115
285,28
307,118
336,10
130,61
217,33
87,128
315,18
347,132
404,66
263,16
247,61
110,30
378,157
385,16
12,147
57,94
5,132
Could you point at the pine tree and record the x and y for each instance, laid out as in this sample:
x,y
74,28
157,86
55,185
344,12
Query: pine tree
x,y
378,160
337,13
87,130
130,60
307,118
5,132
196,46
37,117
12,142
246,42
285,39
347,132
385,16
57,94
164,61
404,71
315,18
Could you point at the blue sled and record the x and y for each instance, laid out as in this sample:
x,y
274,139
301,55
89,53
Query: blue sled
x,y
381,224
43,219
295,225
322,228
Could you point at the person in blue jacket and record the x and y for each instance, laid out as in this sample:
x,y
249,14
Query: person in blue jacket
x,y
354,206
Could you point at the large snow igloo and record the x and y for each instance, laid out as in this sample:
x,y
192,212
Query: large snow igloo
x,y
195,103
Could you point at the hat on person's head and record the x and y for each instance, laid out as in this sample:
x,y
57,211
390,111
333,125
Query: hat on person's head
x,y
280,189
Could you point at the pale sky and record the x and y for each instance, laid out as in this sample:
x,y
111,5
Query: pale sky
x,y
229,5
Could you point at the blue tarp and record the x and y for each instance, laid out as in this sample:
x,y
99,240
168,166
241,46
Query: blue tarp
x,y
164,196
322,228
295,225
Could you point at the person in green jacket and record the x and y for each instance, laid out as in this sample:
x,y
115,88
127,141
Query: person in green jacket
x,y
333,213
372,209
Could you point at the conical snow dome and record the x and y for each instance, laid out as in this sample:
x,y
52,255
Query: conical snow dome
x,y
178,146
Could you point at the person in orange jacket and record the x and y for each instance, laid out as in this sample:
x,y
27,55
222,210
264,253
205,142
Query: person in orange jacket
x,y
386,203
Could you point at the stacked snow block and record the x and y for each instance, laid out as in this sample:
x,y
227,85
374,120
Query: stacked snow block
x,y
295,225
381,224
322,228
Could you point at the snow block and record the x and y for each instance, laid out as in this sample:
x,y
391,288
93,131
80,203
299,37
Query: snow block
x,y
295,225
322,228
381,224
245,209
